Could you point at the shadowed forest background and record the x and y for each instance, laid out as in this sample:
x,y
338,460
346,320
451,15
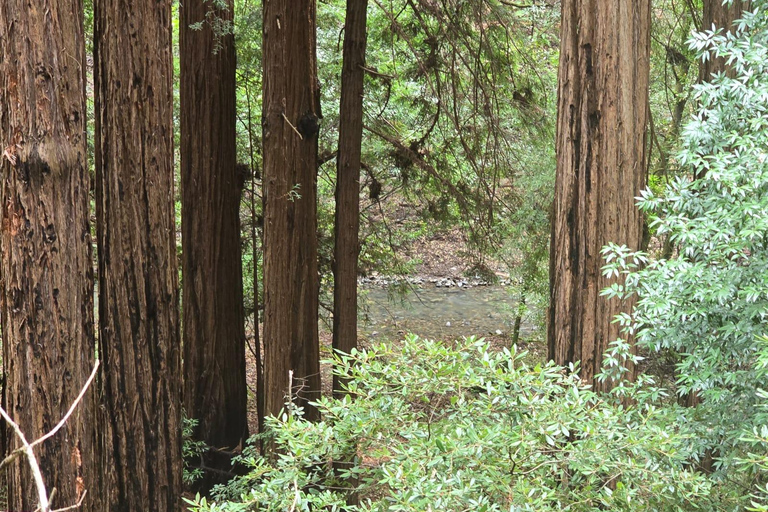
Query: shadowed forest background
x,y
384,255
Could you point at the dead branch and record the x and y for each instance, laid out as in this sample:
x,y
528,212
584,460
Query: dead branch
x,y
71,409
26,449
42,495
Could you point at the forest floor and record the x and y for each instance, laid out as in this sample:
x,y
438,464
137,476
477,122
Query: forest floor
x,y
436,251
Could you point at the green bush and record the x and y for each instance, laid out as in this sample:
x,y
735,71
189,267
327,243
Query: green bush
x,y
450,428
709,304
192,450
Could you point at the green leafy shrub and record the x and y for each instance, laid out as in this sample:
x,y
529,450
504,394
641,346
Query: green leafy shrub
x,y
756,459
192,450
450,428
709,304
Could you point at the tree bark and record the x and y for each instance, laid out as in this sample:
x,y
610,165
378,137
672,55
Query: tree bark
x,y
347,221
722,17
46,290
291,111
601,162
214,335
138,298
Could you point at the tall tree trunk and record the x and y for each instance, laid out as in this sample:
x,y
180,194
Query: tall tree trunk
x,y
721,17
291,111
138,297
46,295
214,335
256,247
347,222
601,162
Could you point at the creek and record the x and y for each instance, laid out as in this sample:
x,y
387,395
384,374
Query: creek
x,y
438,312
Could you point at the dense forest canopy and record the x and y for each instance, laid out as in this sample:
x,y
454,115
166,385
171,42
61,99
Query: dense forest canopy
x,y
201,199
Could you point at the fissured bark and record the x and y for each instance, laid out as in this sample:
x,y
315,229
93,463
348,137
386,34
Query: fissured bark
x,y
601,162
46,290
214,335
347,221
720,16
138,299
291,112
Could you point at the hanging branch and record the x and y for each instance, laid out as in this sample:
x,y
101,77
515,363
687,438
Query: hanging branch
x,y
424,166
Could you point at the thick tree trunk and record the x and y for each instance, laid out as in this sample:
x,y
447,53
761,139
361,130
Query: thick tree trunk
x,y
138,297
214,335
601,162
290,126
347,222
46,295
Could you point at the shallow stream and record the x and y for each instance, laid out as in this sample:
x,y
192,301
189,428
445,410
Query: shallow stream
x,y
439,313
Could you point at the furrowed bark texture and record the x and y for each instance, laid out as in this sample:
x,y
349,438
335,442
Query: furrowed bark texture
x,y
601,161
46,290
214,335
347,222
291,113
138,298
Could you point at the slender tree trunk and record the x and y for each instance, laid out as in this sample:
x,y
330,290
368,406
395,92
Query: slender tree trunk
x,y
290,127
46,291
601,162
518,319
347,222
255,242
214,335
138,298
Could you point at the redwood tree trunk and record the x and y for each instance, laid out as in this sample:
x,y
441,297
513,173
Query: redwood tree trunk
x,y
46,290
347,222
138,297
214,336
721,17
291,113
601,162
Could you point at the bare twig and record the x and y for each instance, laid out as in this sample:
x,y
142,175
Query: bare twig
x,y
42,496
374,72
10,458
26,448
296,496
515,5
72,507
71,409
294,128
